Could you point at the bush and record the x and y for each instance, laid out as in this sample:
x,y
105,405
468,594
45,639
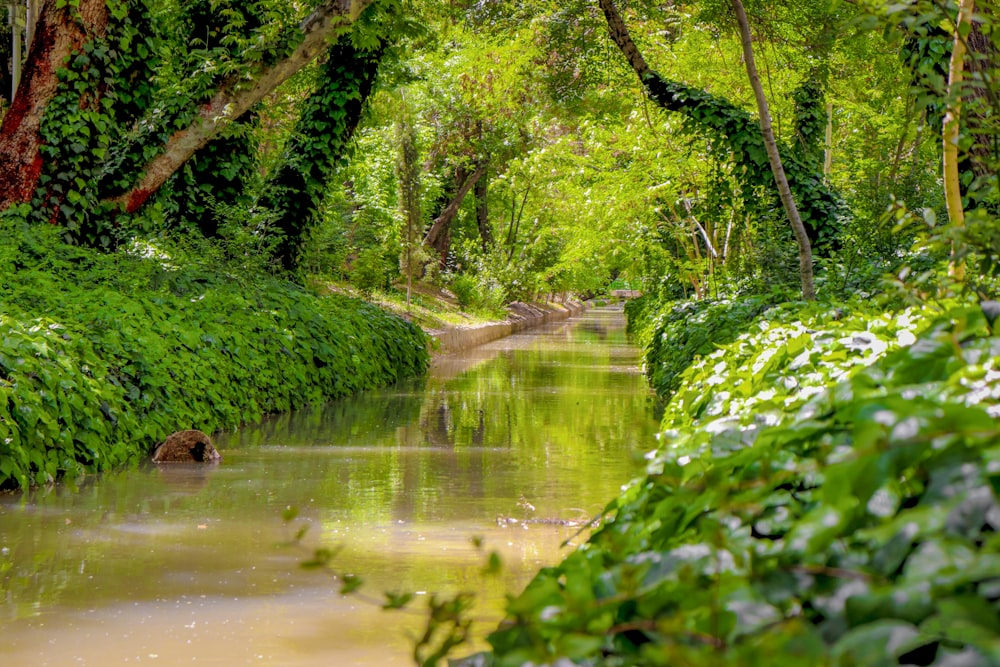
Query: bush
x,y
370,271
856,527
676,334
465,290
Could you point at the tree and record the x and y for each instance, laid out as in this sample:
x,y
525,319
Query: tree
x,y
805,250
294,191
953,195
90,39
408,175
439,235
822,210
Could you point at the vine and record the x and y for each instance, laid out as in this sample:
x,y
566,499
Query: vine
x,y
102,89
810,121
737,139
220,172
296,189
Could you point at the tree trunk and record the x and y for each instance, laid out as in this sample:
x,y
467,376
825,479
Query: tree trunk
x,y
738,136
950,131
408,171
805,249
57,35
483,213
295,190
438,237
983,153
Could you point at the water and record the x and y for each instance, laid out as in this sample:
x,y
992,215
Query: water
x,y
176,565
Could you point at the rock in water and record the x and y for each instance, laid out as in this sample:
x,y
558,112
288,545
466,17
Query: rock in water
x,y
187,447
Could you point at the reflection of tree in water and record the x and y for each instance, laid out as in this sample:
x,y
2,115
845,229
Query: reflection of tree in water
x,y
593,329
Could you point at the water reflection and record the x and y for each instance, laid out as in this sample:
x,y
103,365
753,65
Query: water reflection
x,y
144,559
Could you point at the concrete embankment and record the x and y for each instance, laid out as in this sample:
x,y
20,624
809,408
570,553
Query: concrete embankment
x,y
520,316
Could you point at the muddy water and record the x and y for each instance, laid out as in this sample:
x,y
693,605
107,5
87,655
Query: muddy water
x,y
186,565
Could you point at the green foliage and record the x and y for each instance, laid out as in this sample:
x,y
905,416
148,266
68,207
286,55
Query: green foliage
x,y
370,271
792,352
850,523
103,356
465,290
295,190
674,335
213,181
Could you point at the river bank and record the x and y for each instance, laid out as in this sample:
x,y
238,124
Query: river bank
x,y
520,317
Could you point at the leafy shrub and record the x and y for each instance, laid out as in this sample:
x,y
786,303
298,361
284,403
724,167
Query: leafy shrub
x,y
466,290
679,332
370,270
794,351
131,348
857,528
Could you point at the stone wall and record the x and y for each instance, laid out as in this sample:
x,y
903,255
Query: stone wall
x,y
521,316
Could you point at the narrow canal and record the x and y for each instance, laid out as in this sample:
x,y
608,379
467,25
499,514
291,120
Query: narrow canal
x,y
181,565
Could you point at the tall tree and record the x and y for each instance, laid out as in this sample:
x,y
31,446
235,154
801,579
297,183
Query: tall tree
x,y
294,192
822,210
408,175
787,201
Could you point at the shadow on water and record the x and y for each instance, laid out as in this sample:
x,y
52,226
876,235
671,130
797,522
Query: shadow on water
x,y
144,562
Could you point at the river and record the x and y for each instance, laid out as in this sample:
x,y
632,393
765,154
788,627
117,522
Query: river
x,y
504,445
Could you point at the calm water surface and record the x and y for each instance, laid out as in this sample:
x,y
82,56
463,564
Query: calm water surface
x,y
177,565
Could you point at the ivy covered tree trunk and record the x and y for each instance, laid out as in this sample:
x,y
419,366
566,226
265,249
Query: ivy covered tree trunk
x,y
822,211
61,31
294,192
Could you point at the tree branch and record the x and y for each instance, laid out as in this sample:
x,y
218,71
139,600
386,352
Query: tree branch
x,y
233,99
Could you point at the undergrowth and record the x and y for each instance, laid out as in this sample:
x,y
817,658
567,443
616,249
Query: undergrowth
x,y
103,355
825,492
